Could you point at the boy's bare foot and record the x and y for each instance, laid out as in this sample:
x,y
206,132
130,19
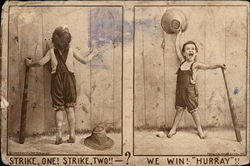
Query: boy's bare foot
x,y
201,134
171,133
71,140
58,141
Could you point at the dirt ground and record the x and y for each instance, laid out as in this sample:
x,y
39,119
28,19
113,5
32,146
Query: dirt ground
x,y
46,145
187,142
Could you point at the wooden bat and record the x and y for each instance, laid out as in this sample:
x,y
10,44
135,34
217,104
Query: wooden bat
x,y
232,111
24,107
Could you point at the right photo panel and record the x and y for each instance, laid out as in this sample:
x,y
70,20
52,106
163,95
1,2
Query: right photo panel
x,y
190,81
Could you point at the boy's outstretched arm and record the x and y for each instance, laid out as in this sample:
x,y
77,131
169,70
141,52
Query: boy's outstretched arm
x,y
177,47
83,59
207,67
29,62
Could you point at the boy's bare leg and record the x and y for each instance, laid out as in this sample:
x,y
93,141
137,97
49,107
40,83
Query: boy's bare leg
x,y
197,121
59,123
177,119
71,120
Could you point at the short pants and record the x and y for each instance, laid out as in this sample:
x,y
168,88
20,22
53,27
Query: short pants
x,y
187,97
63,90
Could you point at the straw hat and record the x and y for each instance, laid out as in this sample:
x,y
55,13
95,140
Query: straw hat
x,y
173,20
98,139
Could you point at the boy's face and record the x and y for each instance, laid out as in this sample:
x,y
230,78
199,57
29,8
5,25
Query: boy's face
x,y
190,52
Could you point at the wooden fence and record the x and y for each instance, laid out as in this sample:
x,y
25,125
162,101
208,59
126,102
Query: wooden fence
x,y
99,83
220,33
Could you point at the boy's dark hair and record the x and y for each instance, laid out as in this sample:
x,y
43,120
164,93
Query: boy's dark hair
x,y
189,42
61,37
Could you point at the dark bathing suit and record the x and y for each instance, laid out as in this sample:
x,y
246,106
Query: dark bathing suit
x,y
186,92
63,83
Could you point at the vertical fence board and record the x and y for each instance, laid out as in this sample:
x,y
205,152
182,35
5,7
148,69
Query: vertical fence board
x,y
214,54
235,45
101,74
14,96
30,35
139,95
117,87
158,67
102,67
117,79
153,63
49,114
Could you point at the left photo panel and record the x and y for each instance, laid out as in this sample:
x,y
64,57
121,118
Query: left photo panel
x,y
64,83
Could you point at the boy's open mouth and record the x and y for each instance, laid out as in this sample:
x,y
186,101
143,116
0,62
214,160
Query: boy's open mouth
x,y
191,54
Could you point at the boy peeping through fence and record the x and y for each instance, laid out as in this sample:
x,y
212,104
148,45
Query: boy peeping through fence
x,y
63,83
186,89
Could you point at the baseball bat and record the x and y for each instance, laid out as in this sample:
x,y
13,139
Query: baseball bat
x,y
24,107
232,111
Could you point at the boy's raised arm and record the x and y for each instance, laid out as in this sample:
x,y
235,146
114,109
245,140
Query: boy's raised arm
x,y
177,47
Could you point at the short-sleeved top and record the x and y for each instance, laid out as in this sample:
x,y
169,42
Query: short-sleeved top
x,y
50,55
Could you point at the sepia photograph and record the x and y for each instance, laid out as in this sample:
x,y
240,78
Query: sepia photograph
x,y
190,91
64,80
134,82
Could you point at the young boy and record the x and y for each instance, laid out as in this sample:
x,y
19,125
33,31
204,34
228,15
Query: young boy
x,y
186,90
63,83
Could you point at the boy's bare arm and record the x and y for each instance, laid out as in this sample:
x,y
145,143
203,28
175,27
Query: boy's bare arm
x,y
207,67
177,47
83,59
29,62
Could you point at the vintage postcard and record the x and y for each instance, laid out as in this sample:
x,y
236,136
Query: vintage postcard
x,y
125,83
